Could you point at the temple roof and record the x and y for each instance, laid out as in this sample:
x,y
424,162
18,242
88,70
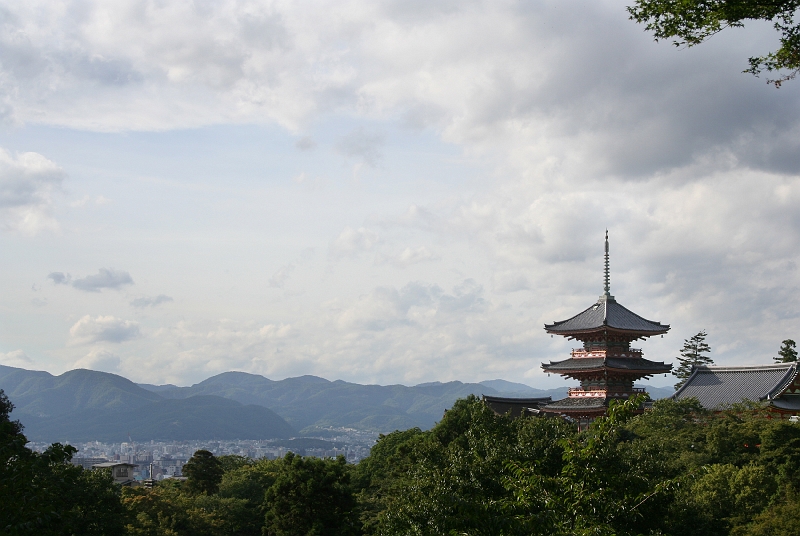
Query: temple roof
x,y
607,313
516,407
588,364
577,404
717,387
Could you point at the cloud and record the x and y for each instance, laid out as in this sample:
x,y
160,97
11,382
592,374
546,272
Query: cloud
x,y
510,282
352,242
28,182
17,358
407,257
362,145
557,82
279,278
306,143
99,360
151,302
105,278
60,278
90,330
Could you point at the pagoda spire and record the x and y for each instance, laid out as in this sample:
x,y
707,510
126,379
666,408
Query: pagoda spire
x,y
606,276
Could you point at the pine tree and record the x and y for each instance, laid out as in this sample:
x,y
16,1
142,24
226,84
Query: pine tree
x,y
692,354
787,353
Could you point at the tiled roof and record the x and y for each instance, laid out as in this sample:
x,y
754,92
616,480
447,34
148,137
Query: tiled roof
x,y
607,313
787,402
616,363
515,406
717,387
566,404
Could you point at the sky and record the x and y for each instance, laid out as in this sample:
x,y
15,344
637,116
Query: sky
x,y
383,192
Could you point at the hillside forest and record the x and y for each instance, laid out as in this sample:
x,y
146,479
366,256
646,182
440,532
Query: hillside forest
x,y
673,470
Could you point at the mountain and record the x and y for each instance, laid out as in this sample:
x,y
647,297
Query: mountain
x,y
658,392
41,393
87,405
310,403
520,390
198,417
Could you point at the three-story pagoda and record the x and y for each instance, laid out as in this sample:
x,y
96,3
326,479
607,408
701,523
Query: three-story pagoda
x,y
606,366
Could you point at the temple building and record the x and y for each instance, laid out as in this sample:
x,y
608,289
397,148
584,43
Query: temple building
x,y
606,366
776,385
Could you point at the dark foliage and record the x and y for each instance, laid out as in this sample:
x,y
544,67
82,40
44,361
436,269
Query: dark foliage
x,y
204,472
787,352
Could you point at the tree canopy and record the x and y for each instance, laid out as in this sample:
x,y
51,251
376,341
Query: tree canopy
x,y
675,469
691,355
690,22
787,352
204,472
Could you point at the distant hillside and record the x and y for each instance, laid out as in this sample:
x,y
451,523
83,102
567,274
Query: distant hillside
x,y
310,402
41,393
85,405
198,417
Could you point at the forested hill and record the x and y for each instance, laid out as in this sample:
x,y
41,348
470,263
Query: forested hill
x,y
85,405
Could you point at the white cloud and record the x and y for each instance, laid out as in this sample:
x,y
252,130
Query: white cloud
x,y
99,360
509,281
407,257
17,358
278,279
90,330
365,146
28,182
352,242
151,302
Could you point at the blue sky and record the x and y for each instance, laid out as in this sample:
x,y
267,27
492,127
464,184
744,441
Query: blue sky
x,y
388,192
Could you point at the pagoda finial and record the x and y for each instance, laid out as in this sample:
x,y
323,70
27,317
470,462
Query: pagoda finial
x,y
607,275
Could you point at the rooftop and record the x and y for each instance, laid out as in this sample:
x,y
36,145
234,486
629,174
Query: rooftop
x,y
718,387
607,313
627,364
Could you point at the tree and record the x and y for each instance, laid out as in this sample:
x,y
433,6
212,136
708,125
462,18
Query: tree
x,y
311,496
44,494
692,354
690,22
204,472
787,353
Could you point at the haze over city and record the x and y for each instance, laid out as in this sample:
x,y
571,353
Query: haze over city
x,y
387,192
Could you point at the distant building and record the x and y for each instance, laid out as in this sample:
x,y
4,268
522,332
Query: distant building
x,y
87,463
718,387
121,472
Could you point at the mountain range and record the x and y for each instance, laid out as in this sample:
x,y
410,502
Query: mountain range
x,y
85,405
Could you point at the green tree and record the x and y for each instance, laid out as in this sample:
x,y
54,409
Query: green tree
x,y
690,22
44,494
693,354
169,510
204,472
787,353
311,497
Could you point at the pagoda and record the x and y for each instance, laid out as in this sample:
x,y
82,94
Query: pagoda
x,y
606,366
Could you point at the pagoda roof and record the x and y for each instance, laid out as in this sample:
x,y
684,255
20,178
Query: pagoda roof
x,y
607,314
718,387
577,404
590,364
